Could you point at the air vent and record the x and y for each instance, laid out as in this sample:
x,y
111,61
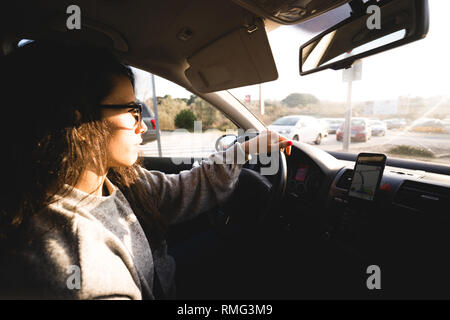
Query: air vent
x,y
345,180
426,198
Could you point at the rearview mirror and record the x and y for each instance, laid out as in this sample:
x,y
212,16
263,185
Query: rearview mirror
x,y
375,28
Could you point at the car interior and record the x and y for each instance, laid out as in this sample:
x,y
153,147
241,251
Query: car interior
x,y
295,234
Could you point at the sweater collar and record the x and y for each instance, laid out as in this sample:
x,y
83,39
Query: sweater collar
x,y
84,198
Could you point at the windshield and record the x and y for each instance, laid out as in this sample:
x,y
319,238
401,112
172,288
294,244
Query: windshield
x,y
398,90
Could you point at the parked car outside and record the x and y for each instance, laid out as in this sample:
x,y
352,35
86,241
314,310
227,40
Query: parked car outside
x,y
299,128
324,127
427,125
149,119
334,124
379,127
395,123
360,130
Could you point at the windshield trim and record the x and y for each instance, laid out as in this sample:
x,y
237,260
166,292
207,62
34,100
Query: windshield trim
x,y
242,104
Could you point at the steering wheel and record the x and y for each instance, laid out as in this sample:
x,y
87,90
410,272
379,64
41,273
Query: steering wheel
x,y
254,197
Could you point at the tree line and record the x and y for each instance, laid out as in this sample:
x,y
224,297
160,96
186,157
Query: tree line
x,y
182,112
175,113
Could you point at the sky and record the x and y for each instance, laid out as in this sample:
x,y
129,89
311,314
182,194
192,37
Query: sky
x,y
421,68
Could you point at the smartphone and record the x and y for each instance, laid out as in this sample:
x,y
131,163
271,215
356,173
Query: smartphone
x,y
367,175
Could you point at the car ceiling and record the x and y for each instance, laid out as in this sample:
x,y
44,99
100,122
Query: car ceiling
x,y
145,34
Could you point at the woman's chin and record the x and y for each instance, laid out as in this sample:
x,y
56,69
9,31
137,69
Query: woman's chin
x,y
126,162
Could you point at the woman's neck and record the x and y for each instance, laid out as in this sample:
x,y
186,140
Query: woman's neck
x,y
91,182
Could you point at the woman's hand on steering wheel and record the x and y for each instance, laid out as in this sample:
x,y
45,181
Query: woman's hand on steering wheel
x,y
267,141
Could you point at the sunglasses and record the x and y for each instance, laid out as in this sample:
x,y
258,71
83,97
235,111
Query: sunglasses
x,y
135,109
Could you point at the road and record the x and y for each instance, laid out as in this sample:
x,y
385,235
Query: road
x,y
179,144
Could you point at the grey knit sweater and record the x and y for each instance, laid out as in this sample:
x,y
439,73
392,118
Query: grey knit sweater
x,y
97,249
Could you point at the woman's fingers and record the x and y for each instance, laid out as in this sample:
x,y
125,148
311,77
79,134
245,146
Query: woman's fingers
x,y
266,141
285,144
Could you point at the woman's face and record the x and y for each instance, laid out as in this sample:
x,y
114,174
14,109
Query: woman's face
x,y
126,132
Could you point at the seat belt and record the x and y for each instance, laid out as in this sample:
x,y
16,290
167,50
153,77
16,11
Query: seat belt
x,y
158,292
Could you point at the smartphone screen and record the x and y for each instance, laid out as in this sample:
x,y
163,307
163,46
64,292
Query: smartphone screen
x,y
367,176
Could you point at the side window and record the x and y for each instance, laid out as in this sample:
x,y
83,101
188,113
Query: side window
x,y
147,112
189,126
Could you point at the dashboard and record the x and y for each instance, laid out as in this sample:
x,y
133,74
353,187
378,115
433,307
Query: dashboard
x,y
418,191
408,201
304,181
406,230
317,186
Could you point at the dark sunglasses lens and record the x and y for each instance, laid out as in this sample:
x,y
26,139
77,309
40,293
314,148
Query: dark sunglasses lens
x,y
139,114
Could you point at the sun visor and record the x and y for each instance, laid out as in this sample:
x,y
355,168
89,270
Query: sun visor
x,y
240,58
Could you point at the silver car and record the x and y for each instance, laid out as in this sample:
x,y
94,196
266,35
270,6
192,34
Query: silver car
x,y
379,127
334,124
299,128
150,121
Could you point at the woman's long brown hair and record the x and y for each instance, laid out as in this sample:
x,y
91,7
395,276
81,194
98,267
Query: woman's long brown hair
x,y
46,144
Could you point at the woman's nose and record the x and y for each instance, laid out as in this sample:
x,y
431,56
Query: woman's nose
x,y
143,127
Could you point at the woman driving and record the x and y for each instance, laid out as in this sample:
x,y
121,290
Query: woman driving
x,y
81,218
